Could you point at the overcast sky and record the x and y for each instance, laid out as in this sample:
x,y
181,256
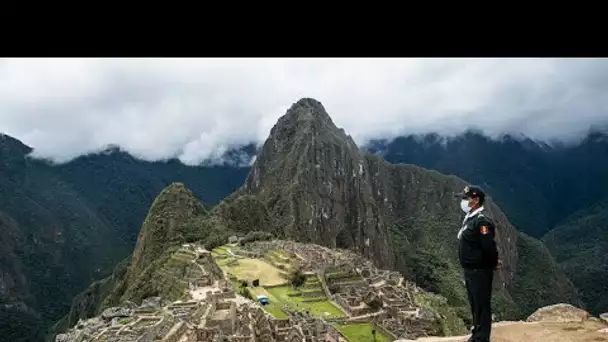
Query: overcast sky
x,y
197,108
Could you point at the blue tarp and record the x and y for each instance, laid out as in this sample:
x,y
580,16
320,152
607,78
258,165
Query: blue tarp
x,y
263,300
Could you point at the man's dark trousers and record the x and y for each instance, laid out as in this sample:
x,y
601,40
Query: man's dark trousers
x,y
479,290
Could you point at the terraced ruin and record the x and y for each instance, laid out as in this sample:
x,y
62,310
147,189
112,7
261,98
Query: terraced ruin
x,y
343,297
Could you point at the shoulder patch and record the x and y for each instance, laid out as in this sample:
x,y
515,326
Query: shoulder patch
x,y
484,230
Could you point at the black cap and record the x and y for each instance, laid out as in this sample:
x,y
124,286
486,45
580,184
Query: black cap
x,y
472,191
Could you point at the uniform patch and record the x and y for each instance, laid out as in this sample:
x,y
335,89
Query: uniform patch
x,y
484,230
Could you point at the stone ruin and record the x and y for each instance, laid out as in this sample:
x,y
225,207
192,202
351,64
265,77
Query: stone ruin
x,y
365,293
247,323
311,258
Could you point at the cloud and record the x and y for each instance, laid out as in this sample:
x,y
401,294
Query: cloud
x,y
197,109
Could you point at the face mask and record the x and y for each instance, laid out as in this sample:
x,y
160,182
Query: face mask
x,y
464,205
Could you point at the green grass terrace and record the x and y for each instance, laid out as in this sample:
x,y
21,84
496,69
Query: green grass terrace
x,y
361,333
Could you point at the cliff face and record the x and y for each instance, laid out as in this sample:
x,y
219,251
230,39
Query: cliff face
x,y
320,187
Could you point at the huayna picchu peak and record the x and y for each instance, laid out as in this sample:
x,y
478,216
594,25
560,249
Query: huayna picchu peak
x,y
312,187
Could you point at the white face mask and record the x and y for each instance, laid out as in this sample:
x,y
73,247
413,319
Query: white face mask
x,y
464,205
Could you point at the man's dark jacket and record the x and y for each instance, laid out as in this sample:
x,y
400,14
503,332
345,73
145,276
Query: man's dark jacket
x,y
477,246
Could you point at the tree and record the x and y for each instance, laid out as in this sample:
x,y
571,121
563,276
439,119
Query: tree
x,y
297,278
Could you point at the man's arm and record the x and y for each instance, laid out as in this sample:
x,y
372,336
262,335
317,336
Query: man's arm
x,y
487,233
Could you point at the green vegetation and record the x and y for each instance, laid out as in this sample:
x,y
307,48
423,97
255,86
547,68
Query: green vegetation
x,y
90,301
164,277
362,333
297,278
580,245
72,223
274,308
308,296
295,300
158,232
431,267
540,282
256,236
124,320
451,323
553,192
159,266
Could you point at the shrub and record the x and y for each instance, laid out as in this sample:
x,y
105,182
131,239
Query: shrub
x,y
297,278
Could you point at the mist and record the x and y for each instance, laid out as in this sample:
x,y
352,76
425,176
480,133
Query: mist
x,y
197,109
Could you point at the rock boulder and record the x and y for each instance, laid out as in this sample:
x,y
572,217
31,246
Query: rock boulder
x,y
151,302
559,313
110,313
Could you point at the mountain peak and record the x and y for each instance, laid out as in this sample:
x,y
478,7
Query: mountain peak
x,y
171,209
305,116
309,108
304,138
10,145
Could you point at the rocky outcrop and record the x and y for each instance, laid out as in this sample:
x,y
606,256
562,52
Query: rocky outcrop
x,y
559,313
112,312
151,302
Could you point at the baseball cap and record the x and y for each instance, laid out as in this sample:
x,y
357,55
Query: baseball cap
x,y
472,191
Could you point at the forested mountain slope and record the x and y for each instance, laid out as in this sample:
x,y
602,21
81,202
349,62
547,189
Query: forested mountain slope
x,y
64,226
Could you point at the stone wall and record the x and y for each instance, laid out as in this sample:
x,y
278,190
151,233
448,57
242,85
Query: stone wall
x,y
176,332
386,332
208,334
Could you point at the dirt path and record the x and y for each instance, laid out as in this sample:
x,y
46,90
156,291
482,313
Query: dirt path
x,y
537,332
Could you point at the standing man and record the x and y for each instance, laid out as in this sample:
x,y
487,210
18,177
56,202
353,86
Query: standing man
x,y
479,258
